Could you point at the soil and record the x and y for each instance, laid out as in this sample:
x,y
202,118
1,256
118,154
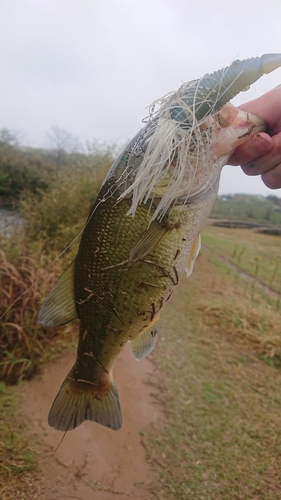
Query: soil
x,y
94,462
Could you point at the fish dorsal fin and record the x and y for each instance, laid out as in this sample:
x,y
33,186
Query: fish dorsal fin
x,y
59,307
144,343
148,240
195,249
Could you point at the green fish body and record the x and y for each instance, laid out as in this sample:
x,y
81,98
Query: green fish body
x,y
130,261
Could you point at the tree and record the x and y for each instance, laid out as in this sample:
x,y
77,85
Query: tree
x,y
274,199
62,142
9,139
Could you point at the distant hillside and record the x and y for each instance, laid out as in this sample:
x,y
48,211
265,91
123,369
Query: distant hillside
x,y
243,207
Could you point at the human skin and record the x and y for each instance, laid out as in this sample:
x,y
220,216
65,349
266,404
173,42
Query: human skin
x,y
262,154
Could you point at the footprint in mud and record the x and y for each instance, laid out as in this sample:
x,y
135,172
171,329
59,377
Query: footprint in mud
x,y
93,462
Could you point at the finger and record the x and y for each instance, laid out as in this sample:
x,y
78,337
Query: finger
x,y
258,146
267,107
272,178
270,160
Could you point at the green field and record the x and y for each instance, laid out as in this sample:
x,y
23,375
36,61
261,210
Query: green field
x,y
219,360
254,253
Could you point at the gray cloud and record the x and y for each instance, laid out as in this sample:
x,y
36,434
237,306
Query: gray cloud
x,y
93,67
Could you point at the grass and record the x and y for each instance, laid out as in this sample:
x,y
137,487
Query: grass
x,y
253,253
59,215
259,326
18,462
24,344
219,361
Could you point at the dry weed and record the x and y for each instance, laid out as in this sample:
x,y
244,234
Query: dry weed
x,y
22,341
260,326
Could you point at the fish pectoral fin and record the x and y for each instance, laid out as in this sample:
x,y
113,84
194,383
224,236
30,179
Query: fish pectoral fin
x,y
148,240
60,307
145,342
80,400
195,249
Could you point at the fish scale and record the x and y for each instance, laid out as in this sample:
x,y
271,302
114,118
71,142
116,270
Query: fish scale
x,y
143,232
124,278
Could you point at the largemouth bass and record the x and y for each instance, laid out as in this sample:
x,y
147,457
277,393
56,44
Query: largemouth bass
x,y
143,232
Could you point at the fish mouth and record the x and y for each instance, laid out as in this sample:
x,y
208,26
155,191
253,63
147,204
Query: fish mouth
x,y
254,124
235,118
231,127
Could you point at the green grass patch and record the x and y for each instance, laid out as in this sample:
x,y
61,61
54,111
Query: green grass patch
x,y
253,253
18,462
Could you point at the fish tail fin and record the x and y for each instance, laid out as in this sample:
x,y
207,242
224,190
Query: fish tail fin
x,y
79,400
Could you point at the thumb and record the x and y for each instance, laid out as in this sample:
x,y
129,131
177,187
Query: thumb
x,y
259,145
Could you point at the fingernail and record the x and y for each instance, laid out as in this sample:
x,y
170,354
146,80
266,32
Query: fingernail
x,y
261,137
258,146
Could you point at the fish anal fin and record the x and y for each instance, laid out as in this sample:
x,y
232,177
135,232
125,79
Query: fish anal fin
x,y
60,307
145,342
195,249
148,240
80,400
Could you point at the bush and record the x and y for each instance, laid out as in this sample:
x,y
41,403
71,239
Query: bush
x,y
249,208
59,213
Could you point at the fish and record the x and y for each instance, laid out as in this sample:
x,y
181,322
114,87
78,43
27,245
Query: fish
x,y
143,233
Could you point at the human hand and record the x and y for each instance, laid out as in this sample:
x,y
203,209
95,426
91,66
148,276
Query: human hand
x,y
261,155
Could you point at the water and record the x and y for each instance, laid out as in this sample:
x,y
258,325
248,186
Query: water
x,y
10,221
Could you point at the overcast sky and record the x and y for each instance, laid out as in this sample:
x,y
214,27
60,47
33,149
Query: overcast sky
x,y
92,67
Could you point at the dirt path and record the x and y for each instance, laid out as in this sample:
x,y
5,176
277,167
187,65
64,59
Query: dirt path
x,y
93,462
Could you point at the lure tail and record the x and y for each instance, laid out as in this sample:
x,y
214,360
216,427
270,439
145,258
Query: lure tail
x,y
79,400
203,97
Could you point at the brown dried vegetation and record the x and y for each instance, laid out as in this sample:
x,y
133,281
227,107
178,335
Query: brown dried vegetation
x,y
22,341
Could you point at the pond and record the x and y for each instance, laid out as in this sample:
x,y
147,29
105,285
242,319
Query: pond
x,y
10,221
